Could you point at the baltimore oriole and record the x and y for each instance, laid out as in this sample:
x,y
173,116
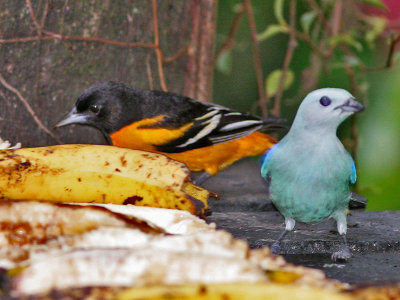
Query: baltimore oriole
x,y
206,137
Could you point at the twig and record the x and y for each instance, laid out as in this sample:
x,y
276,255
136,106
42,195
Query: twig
x,y
61,25
353,78
32,13
62,18
320,15
157,48
55,36
101,40
389,61
336,21
315,48
228,44
292,44
333,29
178,54
44,17
337,17
149,74
256,58
39,28
24,40
393,43
28,107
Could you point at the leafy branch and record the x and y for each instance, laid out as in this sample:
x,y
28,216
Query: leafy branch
x,y
333,43
256,55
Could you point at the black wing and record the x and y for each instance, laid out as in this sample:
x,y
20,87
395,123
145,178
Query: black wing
x,y
214,125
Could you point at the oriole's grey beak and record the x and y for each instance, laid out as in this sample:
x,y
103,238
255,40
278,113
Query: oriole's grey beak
x,y
73,117
351,105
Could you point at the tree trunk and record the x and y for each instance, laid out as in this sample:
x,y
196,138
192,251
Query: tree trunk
x,y
200,64
50,50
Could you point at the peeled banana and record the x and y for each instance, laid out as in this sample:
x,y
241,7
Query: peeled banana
x,y
100,174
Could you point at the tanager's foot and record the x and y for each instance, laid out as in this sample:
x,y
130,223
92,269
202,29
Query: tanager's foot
x,y
276,248
342,255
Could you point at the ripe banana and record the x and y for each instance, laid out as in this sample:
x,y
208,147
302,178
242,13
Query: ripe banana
x,y
100,174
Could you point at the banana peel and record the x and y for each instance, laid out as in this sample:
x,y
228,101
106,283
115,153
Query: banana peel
x,y
99,174
231,291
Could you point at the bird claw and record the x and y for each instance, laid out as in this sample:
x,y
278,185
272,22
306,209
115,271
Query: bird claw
x,y
342,255
276,248
200,179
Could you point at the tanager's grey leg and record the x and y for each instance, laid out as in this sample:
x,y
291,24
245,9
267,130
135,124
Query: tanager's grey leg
x,y
289,225
343,253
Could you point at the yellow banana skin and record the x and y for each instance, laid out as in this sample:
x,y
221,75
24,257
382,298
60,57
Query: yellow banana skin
x,y
100,174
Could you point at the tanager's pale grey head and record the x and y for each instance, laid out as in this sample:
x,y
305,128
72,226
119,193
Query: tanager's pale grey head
x,y
325,109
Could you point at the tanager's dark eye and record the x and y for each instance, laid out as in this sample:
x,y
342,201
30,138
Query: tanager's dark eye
x,y
94,109
325,101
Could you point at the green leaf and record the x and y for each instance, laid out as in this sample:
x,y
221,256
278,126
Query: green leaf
x,y
396,57
376,3
274,78
378,25
307,19
224,63
363,87
352,61
270,31
278,10
237,8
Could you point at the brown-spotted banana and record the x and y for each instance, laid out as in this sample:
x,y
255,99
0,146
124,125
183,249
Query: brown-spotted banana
x,y
100,174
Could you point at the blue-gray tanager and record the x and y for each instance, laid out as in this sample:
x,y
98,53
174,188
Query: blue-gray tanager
x,y
309,170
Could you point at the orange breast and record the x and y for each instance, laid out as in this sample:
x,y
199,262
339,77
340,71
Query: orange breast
x,y
141,137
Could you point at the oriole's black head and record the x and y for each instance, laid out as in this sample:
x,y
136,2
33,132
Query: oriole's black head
x,y
107,106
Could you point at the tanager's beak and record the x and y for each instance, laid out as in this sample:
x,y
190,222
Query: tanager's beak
x,y
351,105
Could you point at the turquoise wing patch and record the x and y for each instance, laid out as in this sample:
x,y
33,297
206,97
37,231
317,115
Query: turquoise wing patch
x,y
266,158
353,176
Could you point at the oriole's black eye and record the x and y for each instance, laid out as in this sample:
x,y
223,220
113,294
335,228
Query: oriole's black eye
x,y
94,109
325,101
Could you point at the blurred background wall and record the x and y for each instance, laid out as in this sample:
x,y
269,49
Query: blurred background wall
x,y
50,50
